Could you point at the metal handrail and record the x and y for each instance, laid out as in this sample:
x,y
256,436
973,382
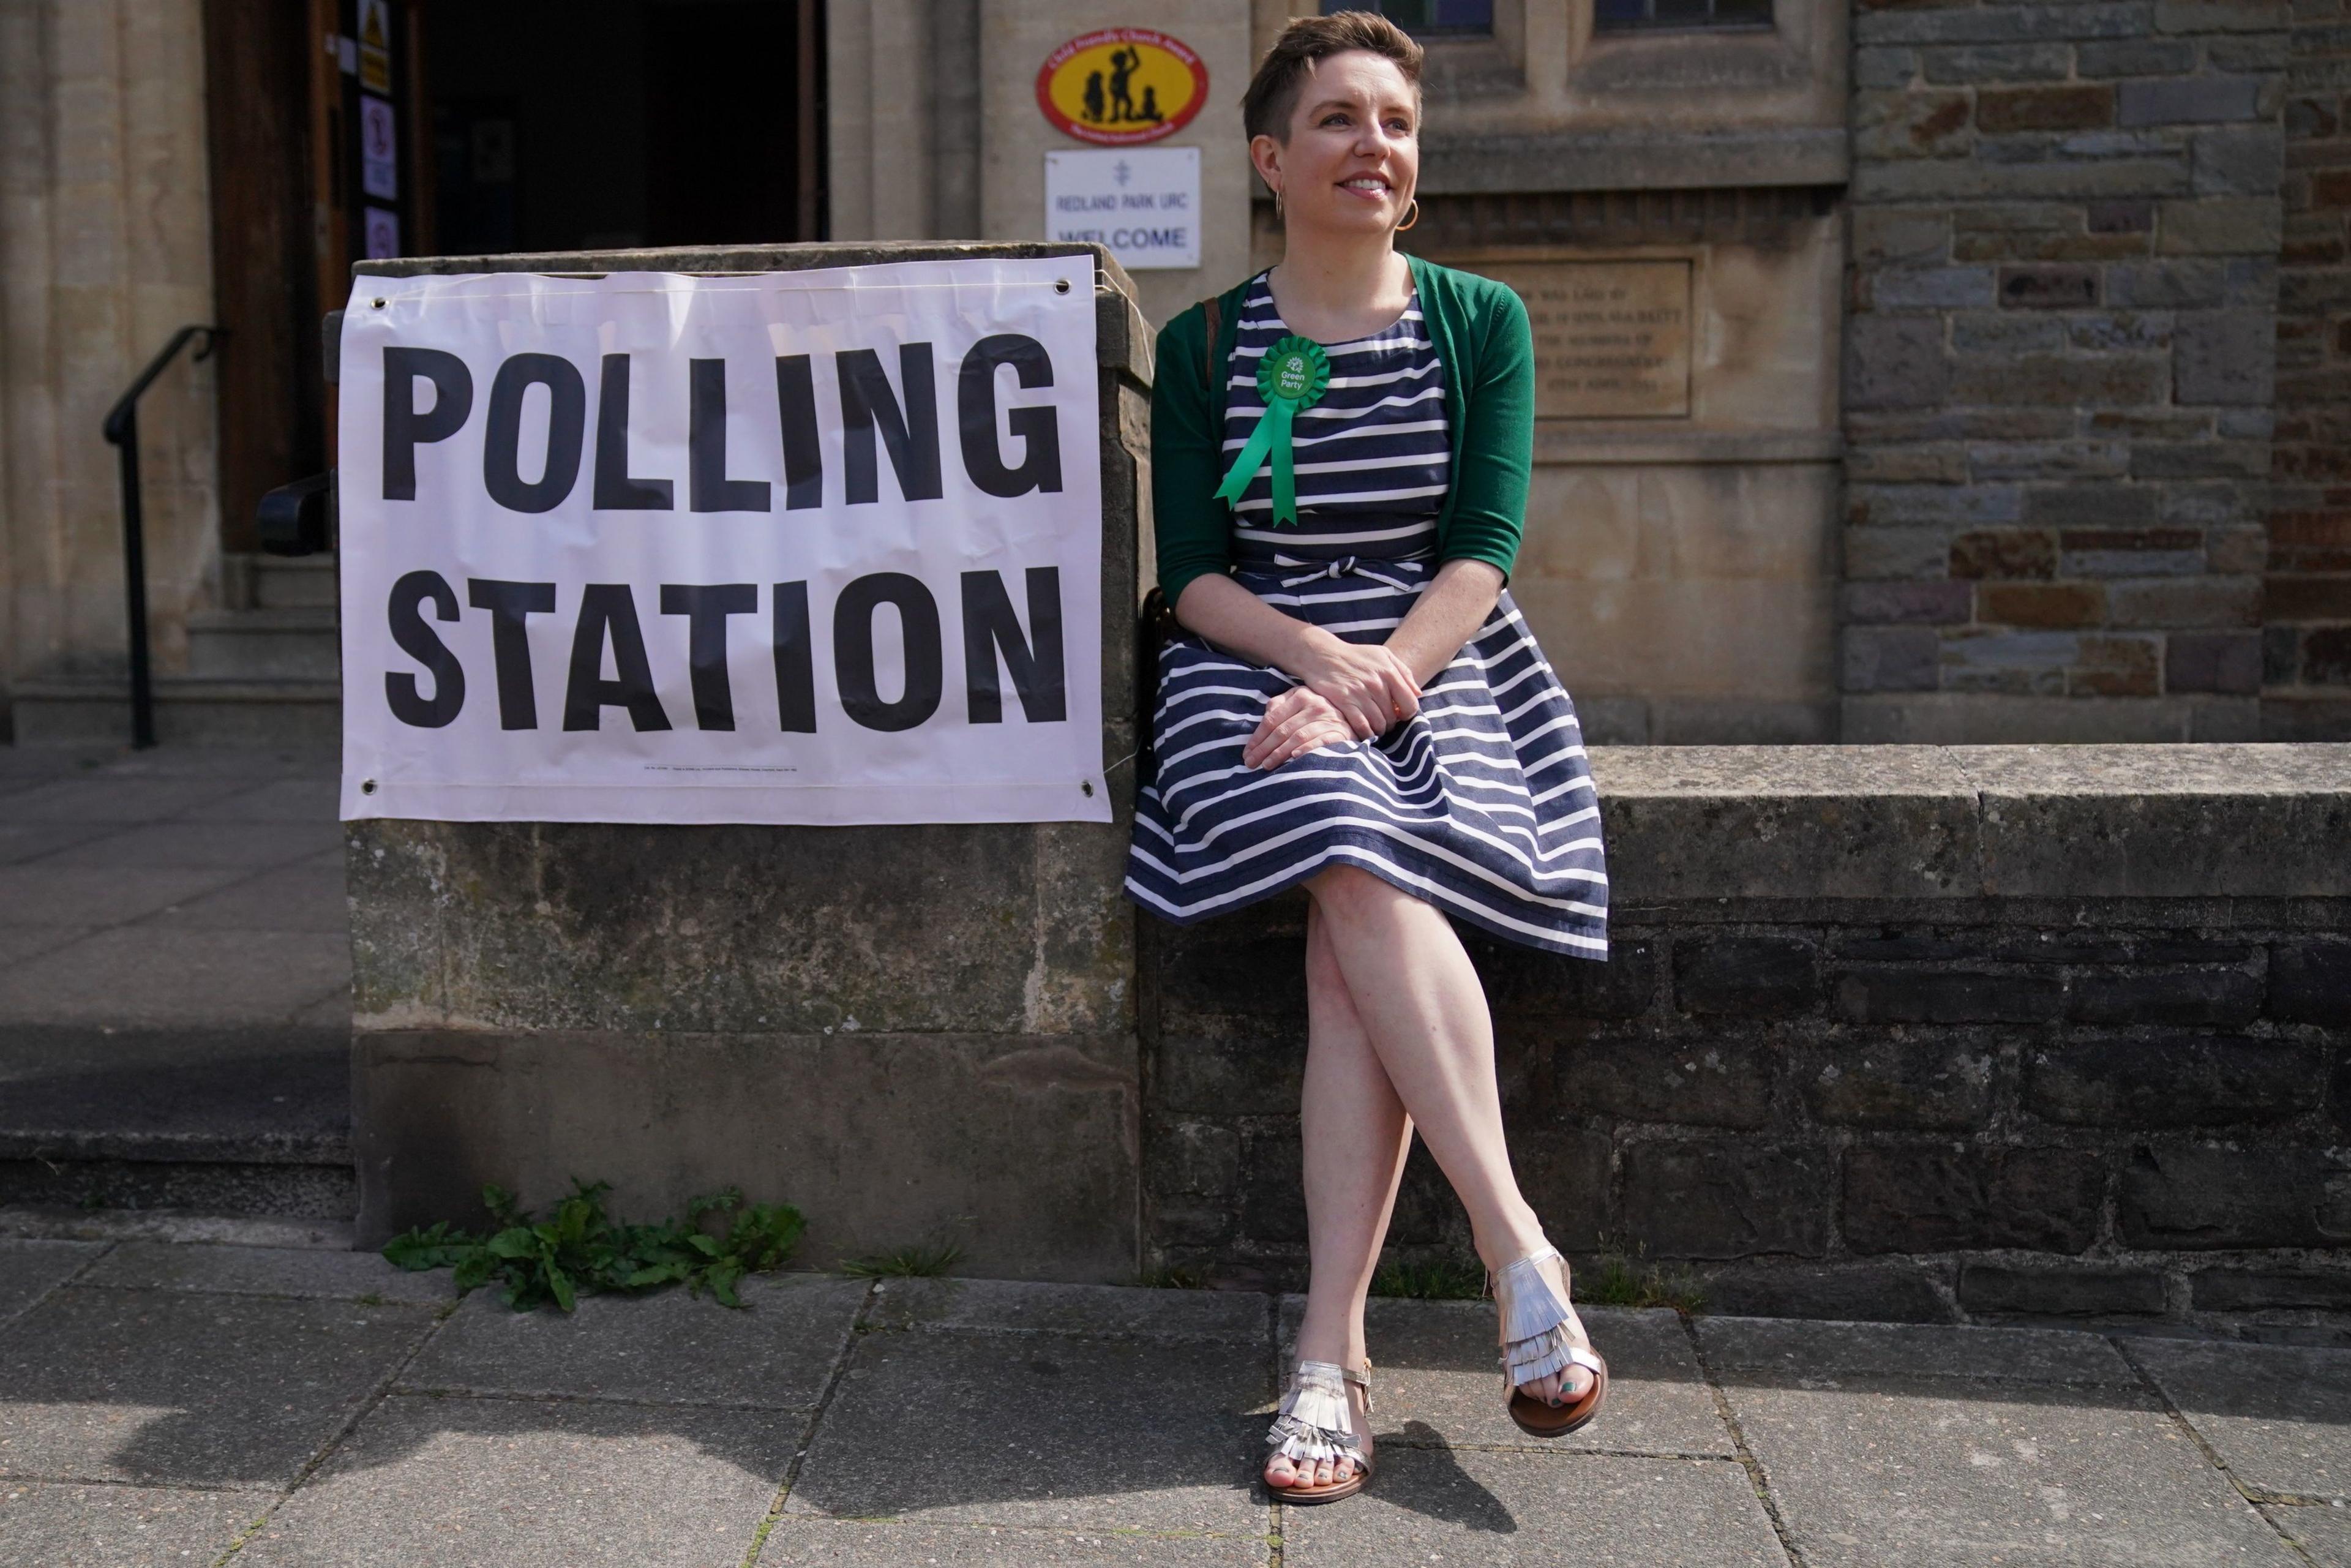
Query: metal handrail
x,y
121,429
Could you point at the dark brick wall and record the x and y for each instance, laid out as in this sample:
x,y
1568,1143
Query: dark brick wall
x,y
2306,645
2060,354
2125,1108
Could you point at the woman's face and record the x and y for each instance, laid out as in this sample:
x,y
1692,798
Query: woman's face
x,y
1353,155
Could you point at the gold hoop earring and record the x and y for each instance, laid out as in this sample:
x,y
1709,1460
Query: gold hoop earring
x,y
1276,206
1414,208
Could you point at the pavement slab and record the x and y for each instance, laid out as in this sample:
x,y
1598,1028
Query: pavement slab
x,y
1434,1363
29,1268
2035,1451
839,1543
316,798
44,1525
18,943
2278,1416
253,846
1768,1349
166,974
1063,1431
304,1271
21,841
114,798
1018,1306
2323,1531
202,1390
305,895
778,1351
1498,1509
37,895
516,1483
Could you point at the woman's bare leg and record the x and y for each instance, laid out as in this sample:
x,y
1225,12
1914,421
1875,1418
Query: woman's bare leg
x,y
1418,999
1355,1134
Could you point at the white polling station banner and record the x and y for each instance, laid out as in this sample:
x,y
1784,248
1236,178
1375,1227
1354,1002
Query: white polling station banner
x,y
794,547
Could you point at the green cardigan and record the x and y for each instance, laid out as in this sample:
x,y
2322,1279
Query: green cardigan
x,y
1479,328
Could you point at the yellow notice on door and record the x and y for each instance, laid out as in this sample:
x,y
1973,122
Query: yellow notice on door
x,y
375,45
1121,86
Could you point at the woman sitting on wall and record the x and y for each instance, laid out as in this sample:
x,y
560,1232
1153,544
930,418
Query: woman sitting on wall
x,y
1341,448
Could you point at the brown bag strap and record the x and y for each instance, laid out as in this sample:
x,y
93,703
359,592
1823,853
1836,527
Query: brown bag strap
x,y
1212,308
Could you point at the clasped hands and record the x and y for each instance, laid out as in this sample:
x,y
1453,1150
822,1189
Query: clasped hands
x,y
1352,691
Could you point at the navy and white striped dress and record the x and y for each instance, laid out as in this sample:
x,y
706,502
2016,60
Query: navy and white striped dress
x,y
1482,803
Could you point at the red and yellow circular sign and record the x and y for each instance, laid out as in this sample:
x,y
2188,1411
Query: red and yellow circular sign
x,y
1121,86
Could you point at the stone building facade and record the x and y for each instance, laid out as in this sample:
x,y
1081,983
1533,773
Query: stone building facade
x,y
2059,402
2306,615
1995,352
1984,433
105,251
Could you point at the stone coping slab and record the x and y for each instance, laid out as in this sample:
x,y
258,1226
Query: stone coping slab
x,y
1941,823
2278,1416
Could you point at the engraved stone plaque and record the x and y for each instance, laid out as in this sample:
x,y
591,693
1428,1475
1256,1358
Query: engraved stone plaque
x,y
1612,338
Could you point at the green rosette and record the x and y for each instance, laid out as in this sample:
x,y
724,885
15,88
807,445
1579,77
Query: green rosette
x,y
1294,374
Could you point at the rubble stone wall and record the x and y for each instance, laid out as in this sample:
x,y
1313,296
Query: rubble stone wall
x,y
1863,1057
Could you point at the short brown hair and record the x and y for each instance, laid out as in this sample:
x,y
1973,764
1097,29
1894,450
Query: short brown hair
x,y
1273,92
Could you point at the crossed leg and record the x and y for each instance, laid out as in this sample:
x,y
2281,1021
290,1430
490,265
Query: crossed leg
x,y
1398,1037
1355,1135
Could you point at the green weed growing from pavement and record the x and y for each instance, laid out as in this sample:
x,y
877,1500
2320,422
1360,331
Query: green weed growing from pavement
x,y
1173,1277
1628,1280
1445,1280
579,1250
919,1263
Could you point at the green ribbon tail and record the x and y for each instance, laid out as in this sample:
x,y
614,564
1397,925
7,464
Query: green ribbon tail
x,y
1285,475
1252,453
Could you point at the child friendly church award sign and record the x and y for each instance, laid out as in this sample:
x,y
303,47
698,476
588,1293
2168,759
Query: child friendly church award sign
x,y
812,547
1122,88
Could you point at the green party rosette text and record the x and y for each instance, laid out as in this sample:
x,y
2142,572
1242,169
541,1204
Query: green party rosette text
x,y
1294,374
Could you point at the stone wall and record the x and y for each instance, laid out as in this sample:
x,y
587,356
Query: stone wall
x,y
919,1034
105,251
1904,1033
2306,647
2066,225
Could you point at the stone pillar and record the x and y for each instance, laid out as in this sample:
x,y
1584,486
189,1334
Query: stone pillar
x,y
2065,296
2306,624
914,1033
105,251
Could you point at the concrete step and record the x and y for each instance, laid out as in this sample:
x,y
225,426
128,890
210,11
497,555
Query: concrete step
x,y
294,642
217,1121
189,711
292,582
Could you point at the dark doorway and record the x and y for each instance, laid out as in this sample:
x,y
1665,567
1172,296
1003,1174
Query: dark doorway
x,y
597,124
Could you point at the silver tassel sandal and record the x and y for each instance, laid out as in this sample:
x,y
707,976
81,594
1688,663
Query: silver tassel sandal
x,y
1535,1344
1313,1425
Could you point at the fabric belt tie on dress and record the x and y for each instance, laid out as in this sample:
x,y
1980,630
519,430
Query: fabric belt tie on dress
x,y
1348,565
